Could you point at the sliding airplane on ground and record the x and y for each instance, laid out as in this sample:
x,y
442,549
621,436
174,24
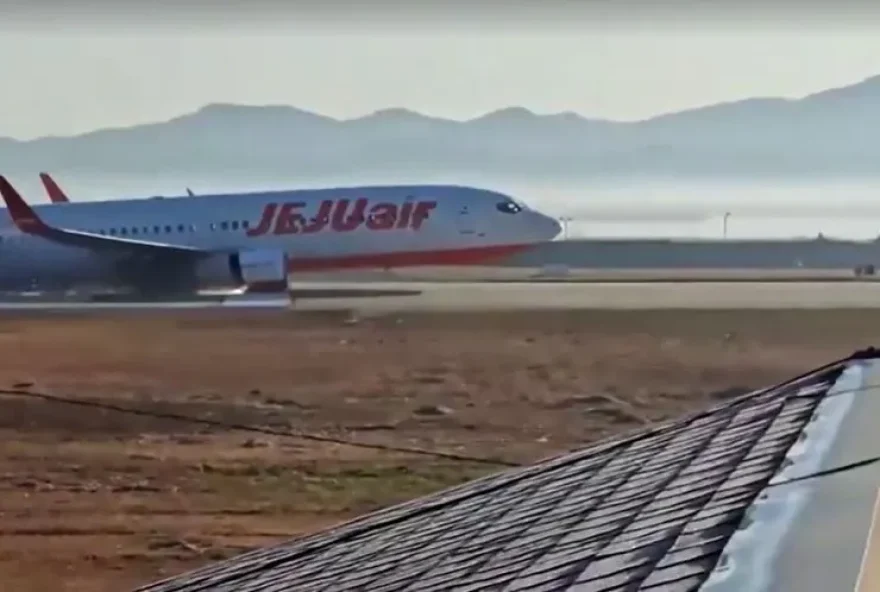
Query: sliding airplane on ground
x,y
56,195
253,241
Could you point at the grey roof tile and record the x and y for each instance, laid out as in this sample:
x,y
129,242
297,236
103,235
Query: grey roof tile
x,y
651,511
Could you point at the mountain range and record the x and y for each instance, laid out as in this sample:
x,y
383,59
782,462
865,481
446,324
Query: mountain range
x,y
829,133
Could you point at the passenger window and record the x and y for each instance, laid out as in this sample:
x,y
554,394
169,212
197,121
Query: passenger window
x,y
234,225
168,229
157,229
213,226
112,232
123,231
224,226
180,228
245,225
134,230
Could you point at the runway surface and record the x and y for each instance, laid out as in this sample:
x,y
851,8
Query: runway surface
x,y
448,296
647,295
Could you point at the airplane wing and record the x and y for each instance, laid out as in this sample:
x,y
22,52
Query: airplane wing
x,y
56,195
28,222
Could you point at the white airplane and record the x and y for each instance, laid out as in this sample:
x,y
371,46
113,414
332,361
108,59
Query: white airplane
x,y
252,241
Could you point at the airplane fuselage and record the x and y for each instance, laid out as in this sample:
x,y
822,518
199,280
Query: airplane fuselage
x,y
318,229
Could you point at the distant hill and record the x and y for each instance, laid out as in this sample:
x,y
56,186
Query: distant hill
x,y
830,133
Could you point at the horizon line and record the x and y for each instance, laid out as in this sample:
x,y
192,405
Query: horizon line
x,y
407,110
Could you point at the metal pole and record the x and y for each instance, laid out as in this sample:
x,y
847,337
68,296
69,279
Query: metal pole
x,y
565,220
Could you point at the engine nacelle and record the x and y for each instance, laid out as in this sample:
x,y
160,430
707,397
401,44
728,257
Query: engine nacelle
x,y
257,271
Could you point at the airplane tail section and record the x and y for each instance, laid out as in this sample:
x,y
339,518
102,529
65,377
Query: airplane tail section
x,y
22,215
52,189
28,221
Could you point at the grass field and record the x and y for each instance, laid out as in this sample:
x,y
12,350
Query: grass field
x,y
96,500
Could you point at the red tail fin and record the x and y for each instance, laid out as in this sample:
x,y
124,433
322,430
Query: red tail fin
x,y
23,216
52,189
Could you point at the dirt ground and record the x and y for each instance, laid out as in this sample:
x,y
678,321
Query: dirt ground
x,y
96,500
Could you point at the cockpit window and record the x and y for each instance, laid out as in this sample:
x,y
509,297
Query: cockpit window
x,y
508,207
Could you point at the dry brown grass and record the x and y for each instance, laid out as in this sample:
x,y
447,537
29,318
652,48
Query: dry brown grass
x,y
96,501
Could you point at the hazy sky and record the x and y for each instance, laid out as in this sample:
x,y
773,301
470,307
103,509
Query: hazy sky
x,y
95,70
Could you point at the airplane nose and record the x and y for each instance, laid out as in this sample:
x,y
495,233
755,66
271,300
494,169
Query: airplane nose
x,y
548,227
556,227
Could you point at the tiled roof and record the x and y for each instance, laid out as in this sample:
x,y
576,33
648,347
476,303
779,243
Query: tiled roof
x,y
650,511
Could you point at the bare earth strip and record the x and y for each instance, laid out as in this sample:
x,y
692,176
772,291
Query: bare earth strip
x,y
98,501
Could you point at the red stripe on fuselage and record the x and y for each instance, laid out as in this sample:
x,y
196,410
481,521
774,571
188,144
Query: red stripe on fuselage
x,y
467,256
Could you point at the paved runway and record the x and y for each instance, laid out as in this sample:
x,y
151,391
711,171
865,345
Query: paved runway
x,y
518,295
648,295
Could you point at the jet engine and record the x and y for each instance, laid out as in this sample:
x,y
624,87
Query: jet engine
x,y
256,270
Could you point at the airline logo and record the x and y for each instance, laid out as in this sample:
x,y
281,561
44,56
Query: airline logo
x,y
28,223
341,215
